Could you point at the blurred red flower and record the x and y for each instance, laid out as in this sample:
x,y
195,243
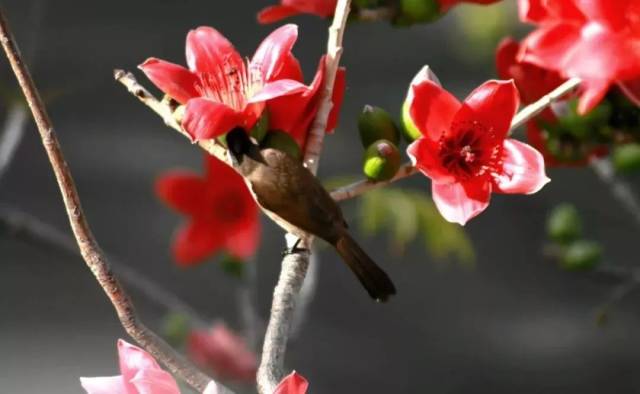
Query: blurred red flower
x,y
222,91
224,353
597,41
294,383
220,209
464,147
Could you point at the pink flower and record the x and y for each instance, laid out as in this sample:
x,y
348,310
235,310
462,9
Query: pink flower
x,y
221,213
139,374
597,41
464,147
294,383
224,353
222,91
288,8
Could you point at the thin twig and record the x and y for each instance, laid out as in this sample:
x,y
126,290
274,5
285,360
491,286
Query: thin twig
x,y
89,248
247,300
619,188
13,131
294,266
29,228
526,114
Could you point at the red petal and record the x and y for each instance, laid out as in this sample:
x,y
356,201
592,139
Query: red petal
x,y
532,11
506,57
197,241
172,79
424,154
339,87
182,191
243,241
274,52
523,169
613,13
493,105
458,203
290,69
205,119
549,46
282,87
631,89
592,93
208,51
275,13
432,108
293,383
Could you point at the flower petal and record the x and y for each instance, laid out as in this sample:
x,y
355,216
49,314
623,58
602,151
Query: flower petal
x,y
282,87
155,381
104,385
132,359
172,79
208,51
592,93
549,46
205,119
294,383
506,57
493,105
182,191
339,88
523,169
631,89
431,107
458,203
275,13
424,155
245,238
196,241
275,50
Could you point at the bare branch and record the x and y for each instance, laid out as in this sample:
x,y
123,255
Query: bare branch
x,y
530,111
89,248
29,228
307,293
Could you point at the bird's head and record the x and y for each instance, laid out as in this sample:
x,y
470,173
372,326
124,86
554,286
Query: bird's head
x,y
239,144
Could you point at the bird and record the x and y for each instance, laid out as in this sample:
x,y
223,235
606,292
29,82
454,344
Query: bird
x,y
296,200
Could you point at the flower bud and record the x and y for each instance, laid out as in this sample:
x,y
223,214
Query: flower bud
x,y
409,129
564,224
283,142
415,11
259,130
581,256
375,124
175,328
626,158
381,160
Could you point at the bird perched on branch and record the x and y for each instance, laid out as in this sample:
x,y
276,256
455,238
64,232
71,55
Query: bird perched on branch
x,y
294,198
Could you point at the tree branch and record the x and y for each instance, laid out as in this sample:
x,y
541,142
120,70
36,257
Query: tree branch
x,y
89,248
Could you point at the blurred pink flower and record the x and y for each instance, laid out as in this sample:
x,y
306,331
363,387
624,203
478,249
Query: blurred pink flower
x,y
224,353
140,374
294,383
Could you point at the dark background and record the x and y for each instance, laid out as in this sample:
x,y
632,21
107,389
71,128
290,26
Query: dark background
x,y
515,323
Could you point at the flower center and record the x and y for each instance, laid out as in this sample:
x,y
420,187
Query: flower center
x,y
232,83
229,208
471,152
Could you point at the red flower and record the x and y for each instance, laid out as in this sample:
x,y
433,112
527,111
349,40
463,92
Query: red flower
x,y
287,8
464,147
224,353
222,214
294,383
295,113
222,91
445,5
597,41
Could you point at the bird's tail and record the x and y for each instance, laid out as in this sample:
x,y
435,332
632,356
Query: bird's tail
x,y
372,277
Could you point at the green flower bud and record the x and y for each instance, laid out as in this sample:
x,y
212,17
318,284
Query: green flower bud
x,y
232,266
259,130
564,224
413,11
374,124
381,160
409,129
283,142
626,158
581,256
175,328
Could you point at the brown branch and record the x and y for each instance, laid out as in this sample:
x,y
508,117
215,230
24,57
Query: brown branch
x,y
89,248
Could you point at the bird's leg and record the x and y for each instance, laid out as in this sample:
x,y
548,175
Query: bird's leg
x,y
294,248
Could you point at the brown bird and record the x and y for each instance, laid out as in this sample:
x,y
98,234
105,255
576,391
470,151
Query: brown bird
x,y
294,198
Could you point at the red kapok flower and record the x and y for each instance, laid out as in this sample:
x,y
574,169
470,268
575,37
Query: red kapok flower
x,y
221,212
288,8
224,353
597,41
295,113
222,91
294,383
464,147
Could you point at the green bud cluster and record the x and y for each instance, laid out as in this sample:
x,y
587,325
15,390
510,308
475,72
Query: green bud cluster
x,y
564,229
380,137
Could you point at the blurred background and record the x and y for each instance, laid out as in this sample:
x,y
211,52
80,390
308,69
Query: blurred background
x,y
510,321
